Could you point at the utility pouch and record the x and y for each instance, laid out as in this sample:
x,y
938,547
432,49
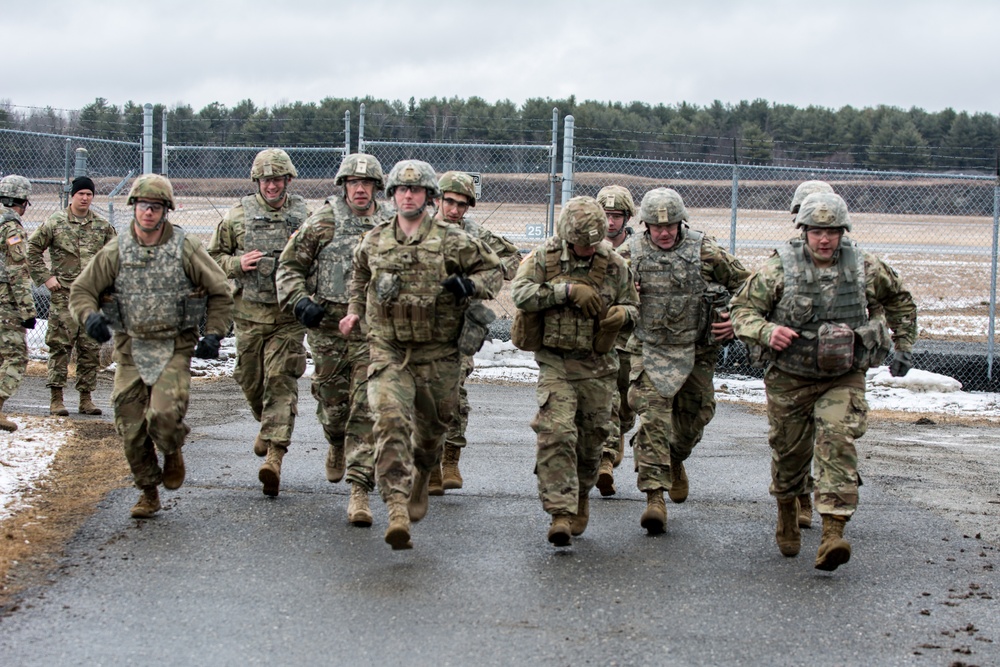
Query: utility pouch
x,y
475,328
527,329
835,348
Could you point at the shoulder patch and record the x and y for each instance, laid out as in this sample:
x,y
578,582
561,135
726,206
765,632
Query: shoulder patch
x,y
14,239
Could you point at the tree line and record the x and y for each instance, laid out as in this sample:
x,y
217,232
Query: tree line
x,y
757,132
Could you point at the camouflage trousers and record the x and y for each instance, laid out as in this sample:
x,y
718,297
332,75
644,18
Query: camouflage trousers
x,y
270,359
340,387
816,419
671,426
152,417
622,415
572,425
13,351
63,334
412,403
455,437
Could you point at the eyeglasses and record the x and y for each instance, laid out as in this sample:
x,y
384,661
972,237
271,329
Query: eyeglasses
x,y
274,179
409,188
462,205
155,207
357,182
822,232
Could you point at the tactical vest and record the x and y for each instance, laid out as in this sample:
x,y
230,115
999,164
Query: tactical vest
x,y
268,231
406,302
813,296
336,260
673,309
565,327
152,298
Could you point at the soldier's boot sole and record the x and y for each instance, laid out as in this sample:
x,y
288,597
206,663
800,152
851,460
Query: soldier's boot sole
x,y
834,550
787,535
436,485
654,517
678,491
560,532
173,470
398,537
606,478
418,503
270,476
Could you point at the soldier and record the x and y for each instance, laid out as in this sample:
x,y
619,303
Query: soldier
x,y
152,285
573,294
685,281
818,313
72,236
618,208
17,307
270,357
413,278
458,195
314,272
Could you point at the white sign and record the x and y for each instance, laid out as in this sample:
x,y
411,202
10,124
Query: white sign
x,y
477,180
535,230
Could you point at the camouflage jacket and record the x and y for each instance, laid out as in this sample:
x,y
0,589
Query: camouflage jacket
x,y
384,279
71,243
327,238
228,244
15,278
510,256
621,343
540,288
752,308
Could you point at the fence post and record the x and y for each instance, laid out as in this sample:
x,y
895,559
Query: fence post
x,y
163,145
550,215
67,175
80,168
993,281
147,138
361,129
347,132
734,201
567,184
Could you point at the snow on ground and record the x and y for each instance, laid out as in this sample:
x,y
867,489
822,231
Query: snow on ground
x,y
25,456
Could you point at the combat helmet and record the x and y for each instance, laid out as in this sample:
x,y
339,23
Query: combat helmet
x,y
662,206
152,186
805,189
460,183
14,187
361,165
582,222
272,162
823,209
413,172
616,198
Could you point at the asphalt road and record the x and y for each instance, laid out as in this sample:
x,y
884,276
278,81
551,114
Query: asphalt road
x,y
226,576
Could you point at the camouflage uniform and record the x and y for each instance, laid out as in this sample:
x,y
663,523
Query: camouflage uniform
x,y
270,357
16,303
575,383
153,381
316,264
71,242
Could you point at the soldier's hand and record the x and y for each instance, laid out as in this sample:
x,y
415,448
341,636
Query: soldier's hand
x,y
901,364
586,299
28,323
460,286
615,319
723,330
347,323
97,327
208,347
309,313
781,338
53,284
248,261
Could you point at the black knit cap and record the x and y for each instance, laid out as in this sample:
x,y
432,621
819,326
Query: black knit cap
x,y
82,183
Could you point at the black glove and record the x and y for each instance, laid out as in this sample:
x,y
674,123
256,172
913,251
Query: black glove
x,y
28,323
309,313
97,327
901,364
460,286
208,347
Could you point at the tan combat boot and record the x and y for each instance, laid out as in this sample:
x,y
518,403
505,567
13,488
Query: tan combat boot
x,y
620,454
654,518
418,495
56,405
834,550
6,424
435,486
560,530
805,511
173,470
148,504
270,473
606,476
449,467
87,406
788,535
678,481
335,463
579,522
397,535
260,446
358,512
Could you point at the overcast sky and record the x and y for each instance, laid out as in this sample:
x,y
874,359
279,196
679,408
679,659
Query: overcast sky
x,y
929,54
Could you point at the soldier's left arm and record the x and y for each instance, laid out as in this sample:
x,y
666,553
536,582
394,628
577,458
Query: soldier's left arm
x,y
722,267
510,256
18,272
885,287
477,262
225,243
626,294
293,266
207,275
38,242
